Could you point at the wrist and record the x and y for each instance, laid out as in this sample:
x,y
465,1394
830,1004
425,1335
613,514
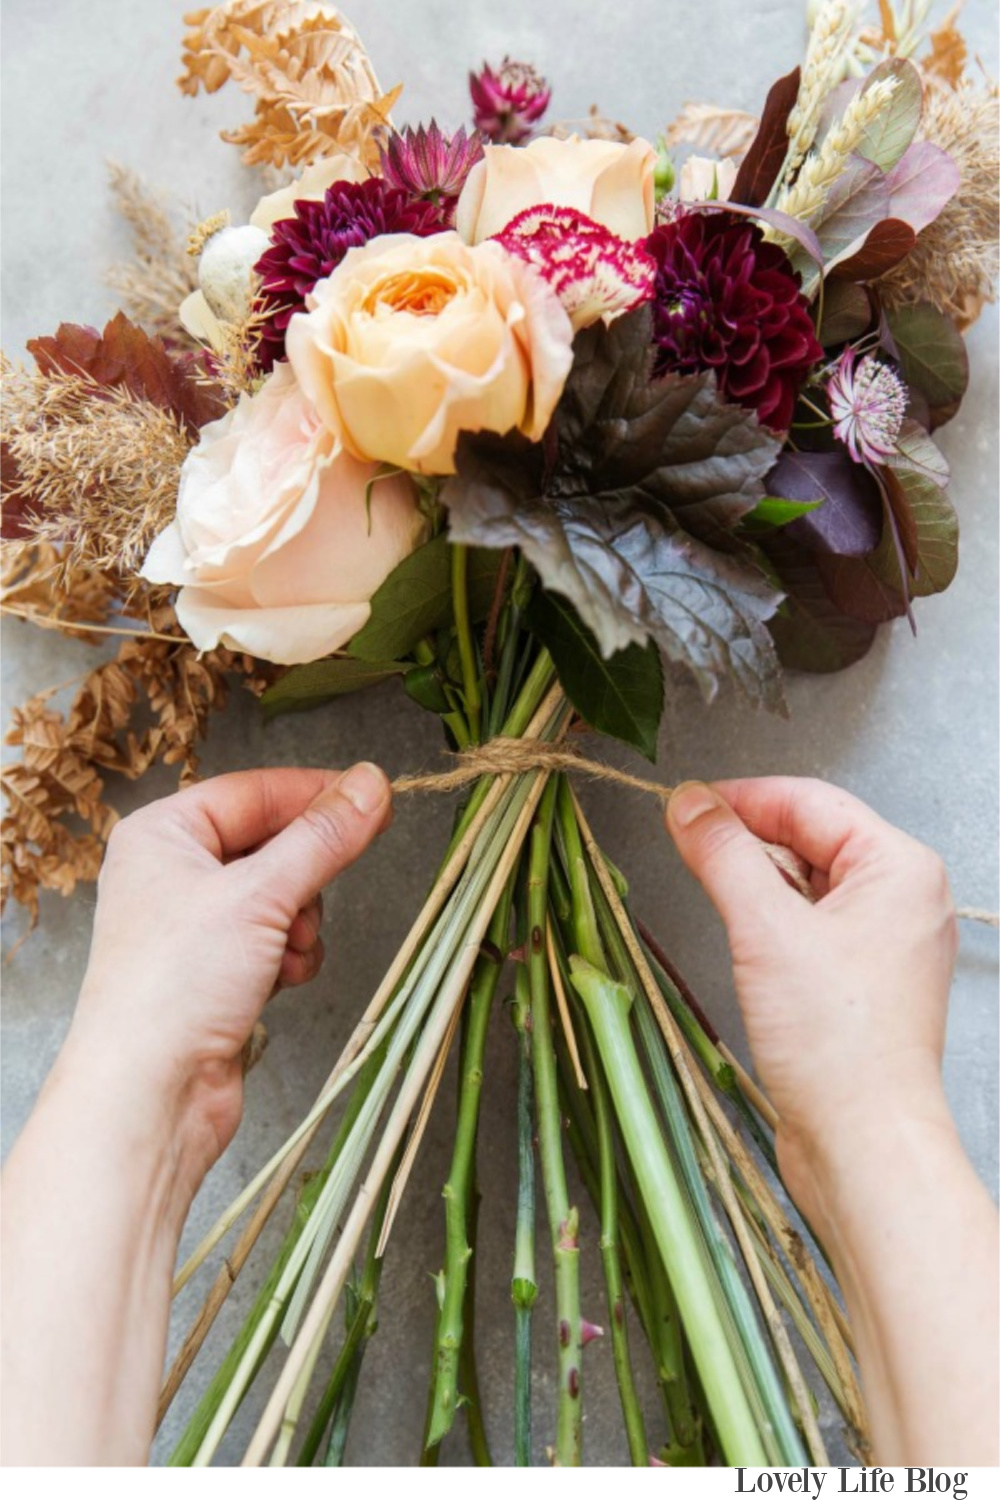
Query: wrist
x,y
132,1113
830,1167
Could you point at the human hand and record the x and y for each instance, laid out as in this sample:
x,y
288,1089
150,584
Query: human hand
x,y
844,1001
208,901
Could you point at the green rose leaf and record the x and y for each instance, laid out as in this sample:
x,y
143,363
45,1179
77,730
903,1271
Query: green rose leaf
x,y
629,510
416,599
622,695
316,682
933,356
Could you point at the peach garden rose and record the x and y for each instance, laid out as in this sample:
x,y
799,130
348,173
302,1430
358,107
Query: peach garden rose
x,y
274,547
411,341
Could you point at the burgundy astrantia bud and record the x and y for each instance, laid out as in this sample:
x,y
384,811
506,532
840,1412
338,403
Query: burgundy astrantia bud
x,y
307,247
509,101
429,165
592,272
727,300
867,404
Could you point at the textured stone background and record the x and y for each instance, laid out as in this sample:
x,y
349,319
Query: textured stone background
x,y
913,729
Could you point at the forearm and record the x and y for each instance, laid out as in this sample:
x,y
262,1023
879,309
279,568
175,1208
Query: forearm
x,y
94,1199
913,1237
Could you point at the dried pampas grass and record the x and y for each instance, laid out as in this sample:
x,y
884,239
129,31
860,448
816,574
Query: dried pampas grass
x,y
94,468
154,283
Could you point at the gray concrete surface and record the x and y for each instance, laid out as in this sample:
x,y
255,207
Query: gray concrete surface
x,y
913,729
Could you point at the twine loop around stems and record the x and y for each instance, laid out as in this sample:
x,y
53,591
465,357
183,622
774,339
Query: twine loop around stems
x,y
514,757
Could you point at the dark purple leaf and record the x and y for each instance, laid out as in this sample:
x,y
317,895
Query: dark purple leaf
x,y
921,184
769,147
884,247
849,521
633,517
811,634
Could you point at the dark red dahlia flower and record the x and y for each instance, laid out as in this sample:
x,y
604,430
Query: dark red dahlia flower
x,y
425,163
508,102
727,300
309,246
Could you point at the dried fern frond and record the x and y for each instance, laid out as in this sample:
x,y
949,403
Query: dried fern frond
x,y
150,704
313,82
712,129
94,468
954,263
161,274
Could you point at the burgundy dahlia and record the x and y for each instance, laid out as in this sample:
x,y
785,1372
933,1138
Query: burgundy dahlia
x,y
727,300
310,245
509,101
427,164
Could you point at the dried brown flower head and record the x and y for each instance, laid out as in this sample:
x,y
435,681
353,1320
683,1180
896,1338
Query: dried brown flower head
x,y
954,263
313,82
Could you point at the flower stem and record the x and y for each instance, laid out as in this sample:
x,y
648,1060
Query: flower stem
x,y
635,1428
457,1189
563,1218
466,644
361,1324
607,1004
524,1286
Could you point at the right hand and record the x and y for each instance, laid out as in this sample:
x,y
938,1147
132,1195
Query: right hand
x,y
844,1001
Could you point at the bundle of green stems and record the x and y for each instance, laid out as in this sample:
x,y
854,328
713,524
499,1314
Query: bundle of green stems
x,y
617,1068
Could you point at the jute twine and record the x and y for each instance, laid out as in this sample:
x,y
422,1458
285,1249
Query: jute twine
x,y
513,757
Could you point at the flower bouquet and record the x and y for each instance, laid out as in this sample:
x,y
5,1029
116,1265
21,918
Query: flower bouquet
x,y
521,417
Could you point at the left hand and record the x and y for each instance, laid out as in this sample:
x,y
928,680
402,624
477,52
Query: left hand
x,y
208,901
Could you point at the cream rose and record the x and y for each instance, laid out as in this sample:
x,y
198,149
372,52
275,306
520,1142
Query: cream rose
x,y
274,547
609,182
312,185
411,341
703,178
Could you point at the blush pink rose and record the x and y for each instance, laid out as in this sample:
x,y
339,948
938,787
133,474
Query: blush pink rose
x,y
411,341
609,182
274,548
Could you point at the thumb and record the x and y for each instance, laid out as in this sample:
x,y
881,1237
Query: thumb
x,y
721,852
328,836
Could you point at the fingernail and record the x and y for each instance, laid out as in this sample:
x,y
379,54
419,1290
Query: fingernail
x,y
365,787
690,801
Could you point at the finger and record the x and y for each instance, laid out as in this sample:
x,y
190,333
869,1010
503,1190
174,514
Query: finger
x,y
299,968
739,877
232,814
325,838
305,929
825,825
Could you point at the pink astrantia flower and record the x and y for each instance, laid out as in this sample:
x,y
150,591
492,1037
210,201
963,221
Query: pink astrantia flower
x,y
867,404
509,101
427,164
593,272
